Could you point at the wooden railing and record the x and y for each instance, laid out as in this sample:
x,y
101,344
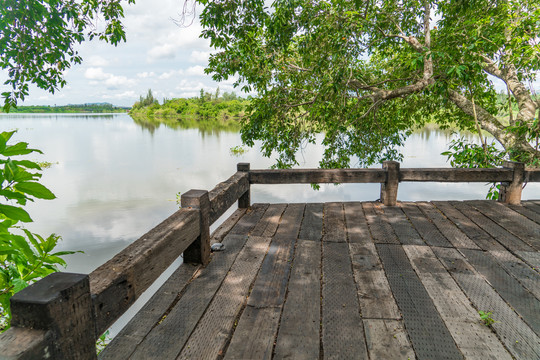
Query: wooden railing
x,y
62,315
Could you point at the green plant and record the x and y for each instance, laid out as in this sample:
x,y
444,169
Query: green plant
x,y
103,341
462,153
237,150
25,257
486,318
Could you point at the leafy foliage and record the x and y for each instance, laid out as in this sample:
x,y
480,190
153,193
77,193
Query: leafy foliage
x,y
25,257
38,39
486,318
364,73
72,108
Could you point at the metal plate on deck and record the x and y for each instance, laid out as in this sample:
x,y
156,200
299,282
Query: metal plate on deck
x,y
519,339
429,336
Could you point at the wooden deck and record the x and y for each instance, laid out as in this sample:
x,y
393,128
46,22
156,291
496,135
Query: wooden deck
x,y
353,281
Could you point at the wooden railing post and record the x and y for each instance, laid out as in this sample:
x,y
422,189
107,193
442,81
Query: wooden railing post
x,y
199,250
245,200
60,304
390,187
510,193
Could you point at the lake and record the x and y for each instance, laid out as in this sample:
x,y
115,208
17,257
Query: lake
x,y
115,179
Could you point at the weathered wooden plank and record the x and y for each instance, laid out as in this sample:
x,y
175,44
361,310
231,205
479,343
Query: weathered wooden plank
x,y
518,338
532,175
531,258
249,220
342,327
271,283
168,337
334,223
526,230
268,224
455,175
212,332
257,327
298,336
454,235
524,210
25,344
523,272
219,234
291,221
404,230
465,224
429,336
532,206
150,314
499,233
374,294
226,193
255,333
522,301
425,228
357,227
473,338
312,225
387,339
319,176
381,231
116,284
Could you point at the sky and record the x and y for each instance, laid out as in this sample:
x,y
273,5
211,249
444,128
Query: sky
x,y
157,55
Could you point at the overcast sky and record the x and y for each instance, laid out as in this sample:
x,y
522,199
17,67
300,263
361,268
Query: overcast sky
x,y
157,55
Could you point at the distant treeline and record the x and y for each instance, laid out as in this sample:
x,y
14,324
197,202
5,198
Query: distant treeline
x,y
207,106
72,108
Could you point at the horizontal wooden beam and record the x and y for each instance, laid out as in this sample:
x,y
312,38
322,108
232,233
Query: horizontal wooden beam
x,y
25,344
532,175
318,176
226,193
455,175
116,284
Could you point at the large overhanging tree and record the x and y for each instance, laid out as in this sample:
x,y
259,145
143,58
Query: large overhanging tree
x,y
364,73
38,40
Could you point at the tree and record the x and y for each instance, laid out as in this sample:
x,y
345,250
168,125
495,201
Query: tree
x,y
38,39
364,73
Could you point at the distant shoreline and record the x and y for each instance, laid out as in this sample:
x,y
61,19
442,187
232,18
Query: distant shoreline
x,y
97,108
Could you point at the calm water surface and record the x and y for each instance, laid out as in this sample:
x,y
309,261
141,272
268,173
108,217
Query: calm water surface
x,y
115,179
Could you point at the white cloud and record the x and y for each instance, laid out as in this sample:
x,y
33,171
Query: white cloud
x,y
196,70
170,74
96,60
146,74
95,73
199,56
165,51
111,81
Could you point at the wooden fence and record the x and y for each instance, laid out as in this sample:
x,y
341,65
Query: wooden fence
x,y
62,315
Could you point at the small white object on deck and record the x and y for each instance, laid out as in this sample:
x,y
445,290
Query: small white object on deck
x,y
217,247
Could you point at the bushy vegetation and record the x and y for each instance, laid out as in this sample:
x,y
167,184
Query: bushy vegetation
x,y
71,108
207,106
25,257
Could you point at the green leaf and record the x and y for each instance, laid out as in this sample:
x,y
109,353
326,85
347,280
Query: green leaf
x,y
19,284
20,148
20,243
34,242
35,189
15,213
28,164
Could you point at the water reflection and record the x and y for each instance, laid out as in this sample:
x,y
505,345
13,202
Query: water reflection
x,y
206,127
